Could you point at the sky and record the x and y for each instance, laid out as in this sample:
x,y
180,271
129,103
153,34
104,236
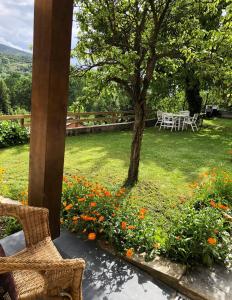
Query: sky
x,y
16,24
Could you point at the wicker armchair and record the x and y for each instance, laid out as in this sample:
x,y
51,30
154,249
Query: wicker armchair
x,y
39,271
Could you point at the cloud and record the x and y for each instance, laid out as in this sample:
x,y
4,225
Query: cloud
x,y
16,24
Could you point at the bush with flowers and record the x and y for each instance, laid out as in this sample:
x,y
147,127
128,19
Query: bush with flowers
x,y
199,237
214,190
93,210
203,233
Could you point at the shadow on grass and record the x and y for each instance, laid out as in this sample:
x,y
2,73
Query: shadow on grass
x,y
186,152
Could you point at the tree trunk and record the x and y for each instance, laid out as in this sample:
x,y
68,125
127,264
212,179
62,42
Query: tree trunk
x,y
138,129
192,92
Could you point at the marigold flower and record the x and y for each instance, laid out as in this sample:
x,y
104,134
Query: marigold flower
x,y
107,193
90,195
142,211
75,218
129,252
88,218
101,219
81,199
131,227
91,236
224,207
123,225
141,217
93,204
212,241
213,204
68,207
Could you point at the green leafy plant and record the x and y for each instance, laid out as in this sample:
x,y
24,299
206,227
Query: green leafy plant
x,y
11,133
199,237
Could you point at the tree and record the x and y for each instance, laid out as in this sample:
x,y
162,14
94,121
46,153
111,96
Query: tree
x,y
127,41
4,98
121,39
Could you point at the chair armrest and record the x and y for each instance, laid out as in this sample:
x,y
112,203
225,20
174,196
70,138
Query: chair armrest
x,y
33,219
9,264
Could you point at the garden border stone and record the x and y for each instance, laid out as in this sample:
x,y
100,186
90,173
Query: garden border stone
x,y
197,284
106,127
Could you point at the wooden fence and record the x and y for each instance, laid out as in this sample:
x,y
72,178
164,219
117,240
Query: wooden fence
x,y
75,120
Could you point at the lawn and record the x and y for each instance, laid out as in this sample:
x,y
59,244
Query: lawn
x,y
170,162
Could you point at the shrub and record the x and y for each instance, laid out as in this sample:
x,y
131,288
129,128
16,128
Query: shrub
x,y
214,190
93,210
199,236
11,133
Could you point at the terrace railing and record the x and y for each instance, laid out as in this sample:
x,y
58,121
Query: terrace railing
x,y
80,119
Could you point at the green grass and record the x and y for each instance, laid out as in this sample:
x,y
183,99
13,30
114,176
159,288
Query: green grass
x,y
170,161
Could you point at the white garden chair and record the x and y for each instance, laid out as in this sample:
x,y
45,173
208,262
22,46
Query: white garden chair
x,y
191,121
185,113
168,121
159,117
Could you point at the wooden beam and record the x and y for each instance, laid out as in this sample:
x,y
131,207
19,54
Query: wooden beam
x,y
50,75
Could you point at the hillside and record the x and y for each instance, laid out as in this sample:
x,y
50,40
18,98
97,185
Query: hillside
x,y
14,60
13,51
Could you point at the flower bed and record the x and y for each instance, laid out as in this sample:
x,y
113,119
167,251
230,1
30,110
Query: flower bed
x,y
202,235
93,210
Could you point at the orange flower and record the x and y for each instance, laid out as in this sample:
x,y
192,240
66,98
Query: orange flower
x,y
65,179
213,204
101,219
131,227
142,211
75,218
90,195
91,236
113,215
123,225
81,199
212,241
88,218
93,204
107,193
68,207
129,252
224,207
141,217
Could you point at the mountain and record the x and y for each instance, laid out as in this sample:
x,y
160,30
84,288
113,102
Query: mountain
x,y
13,51
13,60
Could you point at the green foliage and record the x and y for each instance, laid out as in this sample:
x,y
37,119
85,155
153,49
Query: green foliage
x,y
11,133
4,98
199,237
8,226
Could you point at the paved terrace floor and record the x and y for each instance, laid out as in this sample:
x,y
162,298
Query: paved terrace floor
x,y
106,277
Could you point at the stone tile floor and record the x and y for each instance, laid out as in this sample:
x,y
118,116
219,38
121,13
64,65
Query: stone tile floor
x,y
106,277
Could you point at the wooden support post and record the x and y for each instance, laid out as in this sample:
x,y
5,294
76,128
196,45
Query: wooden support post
x,y
22,122
51,62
